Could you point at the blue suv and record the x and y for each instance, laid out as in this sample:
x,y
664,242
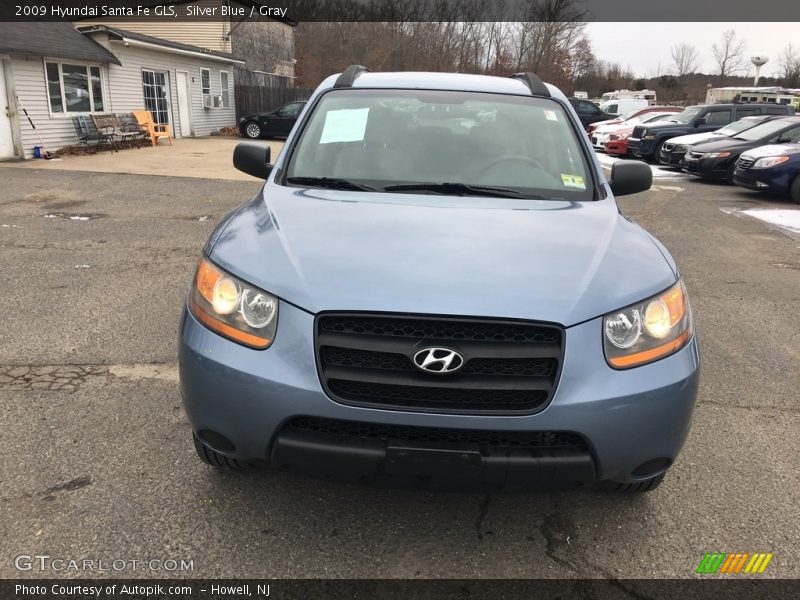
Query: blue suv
x,y
435,287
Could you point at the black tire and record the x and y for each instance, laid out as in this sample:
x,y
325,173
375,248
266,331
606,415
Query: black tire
x,y
657,153
795,189
215,459
638,487
251,130
729,174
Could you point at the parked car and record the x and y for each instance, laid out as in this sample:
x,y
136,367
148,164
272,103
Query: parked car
x,y
601,135
273,124
588,112
717,159
674,149
634,113
383,311
623,105
774,169
617,144
647,140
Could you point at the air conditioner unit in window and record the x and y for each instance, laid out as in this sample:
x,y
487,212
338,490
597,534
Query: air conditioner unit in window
x,y
207,102
217,101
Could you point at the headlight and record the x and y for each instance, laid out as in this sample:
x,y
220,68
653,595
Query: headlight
x,y
232,308
716,154
769,161
648,330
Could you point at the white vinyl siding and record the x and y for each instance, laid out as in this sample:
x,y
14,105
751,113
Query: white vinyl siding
x,y
27,76
127,94
206,33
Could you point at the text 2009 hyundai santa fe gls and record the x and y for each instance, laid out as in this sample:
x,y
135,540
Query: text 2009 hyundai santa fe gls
x,y
435,286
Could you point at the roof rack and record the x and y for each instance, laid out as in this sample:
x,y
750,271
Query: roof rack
x,y
535,85
350,74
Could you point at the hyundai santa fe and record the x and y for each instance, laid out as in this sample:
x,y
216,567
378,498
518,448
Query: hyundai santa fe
x,y
435,287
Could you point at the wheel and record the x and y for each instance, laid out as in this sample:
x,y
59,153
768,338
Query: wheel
x,y
638,487
729,174
657,152
252,130
795,189
215,459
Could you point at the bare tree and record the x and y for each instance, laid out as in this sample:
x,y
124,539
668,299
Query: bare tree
x,y
789,63
729,53
684,57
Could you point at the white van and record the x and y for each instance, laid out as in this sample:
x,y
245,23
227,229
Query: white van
x,y
623,105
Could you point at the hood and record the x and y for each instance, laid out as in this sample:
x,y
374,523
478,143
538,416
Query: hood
x,y
774,150
613,127
694,138
552,261
725,143
669,127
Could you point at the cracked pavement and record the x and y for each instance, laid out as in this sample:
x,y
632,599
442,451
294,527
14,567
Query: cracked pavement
x,y
99,462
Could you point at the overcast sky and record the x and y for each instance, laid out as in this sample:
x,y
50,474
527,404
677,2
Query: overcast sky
x,y
642,46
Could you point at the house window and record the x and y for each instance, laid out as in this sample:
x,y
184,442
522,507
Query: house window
x,y
224,86
205,86
74,87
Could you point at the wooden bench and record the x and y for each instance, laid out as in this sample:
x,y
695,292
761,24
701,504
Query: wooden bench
x,y
155,130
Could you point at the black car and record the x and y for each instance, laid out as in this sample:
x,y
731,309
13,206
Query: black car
x,y
646,140
277,123
674,149
717,159
589,112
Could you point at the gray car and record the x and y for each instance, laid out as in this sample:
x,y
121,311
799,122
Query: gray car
x,y
439,301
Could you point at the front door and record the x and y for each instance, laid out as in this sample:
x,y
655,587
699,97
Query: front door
x,y
6,108
184,103
155,85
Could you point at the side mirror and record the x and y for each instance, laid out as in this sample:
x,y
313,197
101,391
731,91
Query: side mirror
x,y
783,140
699,121
253,159
630,177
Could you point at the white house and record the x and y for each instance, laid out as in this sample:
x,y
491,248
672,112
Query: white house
x,y
59,72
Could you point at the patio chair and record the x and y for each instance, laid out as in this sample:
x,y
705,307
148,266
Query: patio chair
x,y
88,132
107,124
154,130
131,129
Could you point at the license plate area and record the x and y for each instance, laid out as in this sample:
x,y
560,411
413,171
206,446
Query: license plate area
x,y
434,461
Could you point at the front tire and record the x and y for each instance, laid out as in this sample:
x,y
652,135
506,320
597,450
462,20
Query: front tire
x,y
657,153
215,459
795,189
252,130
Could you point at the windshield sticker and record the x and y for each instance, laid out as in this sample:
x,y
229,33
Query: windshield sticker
x,y
346,125
573,181
550,115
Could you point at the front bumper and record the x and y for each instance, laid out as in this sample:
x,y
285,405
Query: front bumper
x,y
617,147
709,168
671,159
641,147
626,418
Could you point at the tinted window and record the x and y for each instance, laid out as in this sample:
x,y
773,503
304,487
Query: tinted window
x,y
612,108
775,110
687,116
394,137
793,135
718,117
745,112
290,110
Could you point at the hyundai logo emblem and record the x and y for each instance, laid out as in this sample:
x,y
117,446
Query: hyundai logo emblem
x,y
438,360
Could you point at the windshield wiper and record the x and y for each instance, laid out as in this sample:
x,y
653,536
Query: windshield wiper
x,y
331,183
460,189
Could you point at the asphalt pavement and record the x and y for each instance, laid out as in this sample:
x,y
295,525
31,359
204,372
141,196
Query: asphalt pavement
x,y
98,462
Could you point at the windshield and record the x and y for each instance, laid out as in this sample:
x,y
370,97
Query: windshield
x,y
763,130
738,126
388,138
687,116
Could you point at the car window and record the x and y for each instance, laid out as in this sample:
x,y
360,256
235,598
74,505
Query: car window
x,y
737,126
793,135
718,117
775,110
290,110
687,116
612,108
395,137
745,112
588,108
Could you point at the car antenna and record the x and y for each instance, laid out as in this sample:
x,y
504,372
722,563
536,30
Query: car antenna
x,y
350,74
535,85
